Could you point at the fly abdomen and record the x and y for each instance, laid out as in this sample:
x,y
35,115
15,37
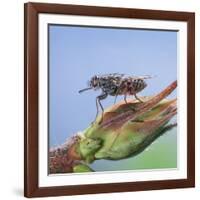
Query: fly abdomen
x,y
138,85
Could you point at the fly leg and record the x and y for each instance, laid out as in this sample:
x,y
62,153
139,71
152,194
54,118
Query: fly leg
x,y
116,95
132,108
115,99
97,107
138,98
98,102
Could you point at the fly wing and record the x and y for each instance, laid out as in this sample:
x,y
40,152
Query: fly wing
x,y
142,77
112,75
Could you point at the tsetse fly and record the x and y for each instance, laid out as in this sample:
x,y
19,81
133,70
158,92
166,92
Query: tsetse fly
x,y
116,84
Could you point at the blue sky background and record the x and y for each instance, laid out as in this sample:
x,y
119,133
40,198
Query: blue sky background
x,y
78,53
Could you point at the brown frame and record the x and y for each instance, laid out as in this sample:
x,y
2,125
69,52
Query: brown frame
x,y
31,188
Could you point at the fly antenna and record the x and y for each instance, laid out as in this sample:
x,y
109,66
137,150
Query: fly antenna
x,y
85,89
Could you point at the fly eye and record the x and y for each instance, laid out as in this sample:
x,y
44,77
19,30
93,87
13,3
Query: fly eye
x,y
95,78
94,81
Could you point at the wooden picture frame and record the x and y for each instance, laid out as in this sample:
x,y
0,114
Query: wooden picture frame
x,y
31,98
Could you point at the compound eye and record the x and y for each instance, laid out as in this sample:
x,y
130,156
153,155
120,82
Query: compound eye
x,y
95,81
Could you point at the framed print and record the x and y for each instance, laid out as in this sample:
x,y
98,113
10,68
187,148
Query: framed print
x,y
109,99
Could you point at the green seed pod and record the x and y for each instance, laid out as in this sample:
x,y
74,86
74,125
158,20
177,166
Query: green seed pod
x,y
126,132
81,168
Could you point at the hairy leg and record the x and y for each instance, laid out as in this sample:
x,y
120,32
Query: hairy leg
x,y
132,108
138,98
98,102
